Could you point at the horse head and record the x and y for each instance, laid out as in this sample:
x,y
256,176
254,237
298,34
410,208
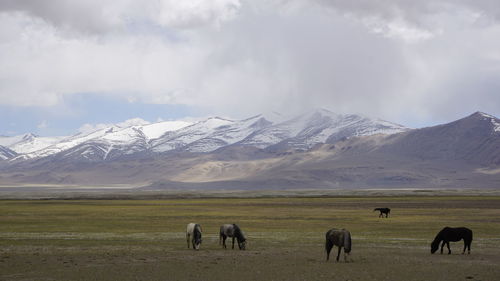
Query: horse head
x,y
434,246
197,243
242,244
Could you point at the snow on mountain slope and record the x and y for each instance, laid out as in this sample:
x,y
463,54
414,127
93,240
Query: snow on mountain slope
x,y
495,122
28,142
261,131
129,140
156,130
228,134
6,153
31,143
187,135
318,126
10,140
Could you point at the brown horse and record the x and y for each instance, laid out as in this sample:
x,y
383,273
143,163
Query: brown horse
x,y
340,238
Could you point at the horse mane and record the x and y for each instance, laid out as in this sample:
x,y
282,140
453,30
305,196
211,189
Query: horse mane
x,y
197,231
438,238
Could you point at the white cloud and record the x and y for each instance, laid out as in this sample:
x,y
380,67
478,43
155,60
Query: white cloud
x,y
401,59
88,128
43,125
133,122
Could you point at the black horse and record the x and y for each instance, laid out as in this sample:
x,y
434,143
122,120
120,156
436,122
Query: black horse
x,y
452,234
383,211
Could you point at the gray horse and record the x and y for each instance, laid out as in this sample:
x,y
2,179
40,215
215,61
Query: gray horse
x,y
340,238
233,231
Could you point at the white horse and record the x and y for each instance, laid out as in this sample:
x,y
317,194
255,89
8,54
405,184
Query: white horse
x,y
233,231
194,230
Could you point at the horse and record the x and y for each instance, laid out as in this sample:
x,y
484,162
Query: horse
x,y
383,211
194,230
234,231
340,238
453,234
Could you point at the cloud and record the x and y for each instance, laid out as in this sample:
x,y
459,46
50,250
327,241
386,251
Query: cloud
x,y
88,128
96,17
407,61
43,125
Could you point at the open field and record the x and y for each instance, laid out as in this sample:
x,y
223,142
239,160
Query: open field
x,y
144,239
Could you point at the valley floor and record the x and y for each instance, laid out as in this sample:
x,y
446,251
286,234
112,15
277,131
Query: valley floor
x,y
144,239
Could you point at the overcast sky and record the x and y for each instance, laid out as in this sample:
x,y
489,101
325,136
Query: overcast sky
x,y
64,64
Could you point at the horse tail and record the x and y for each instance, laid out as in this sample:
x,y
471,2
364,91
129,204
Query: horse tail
x,y
328,242
221,231
328,245
347,241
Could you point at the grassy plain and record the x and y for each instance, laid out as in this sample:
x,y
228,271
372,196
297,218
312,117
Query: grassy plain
x,y
144,239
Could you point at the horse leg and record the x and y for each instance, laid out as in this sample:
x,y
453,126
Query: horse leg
x,y
233,243
442,246
338,253
328,249
223,238
187,239
468,247
465,246
448,245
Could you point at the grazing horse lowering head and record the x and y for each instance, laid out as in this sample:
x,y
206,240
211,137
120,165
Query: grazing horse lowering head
x,y
240,237
233,231
340,238
193,235
452,234
197,237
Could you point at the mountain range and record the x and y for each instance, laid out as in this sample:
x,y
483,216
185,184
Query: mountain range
x,y
317,149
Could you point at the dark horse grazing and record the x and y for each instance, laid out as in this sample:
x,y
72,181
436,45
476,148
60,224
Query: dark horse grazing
x,y
383,211
194,230
340,238
452,234
234,231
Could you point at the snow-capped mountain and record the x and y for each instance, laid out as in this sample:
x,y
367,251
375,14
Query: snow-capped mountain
x,y
272,131
319,126
301,132
101,143
209,135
